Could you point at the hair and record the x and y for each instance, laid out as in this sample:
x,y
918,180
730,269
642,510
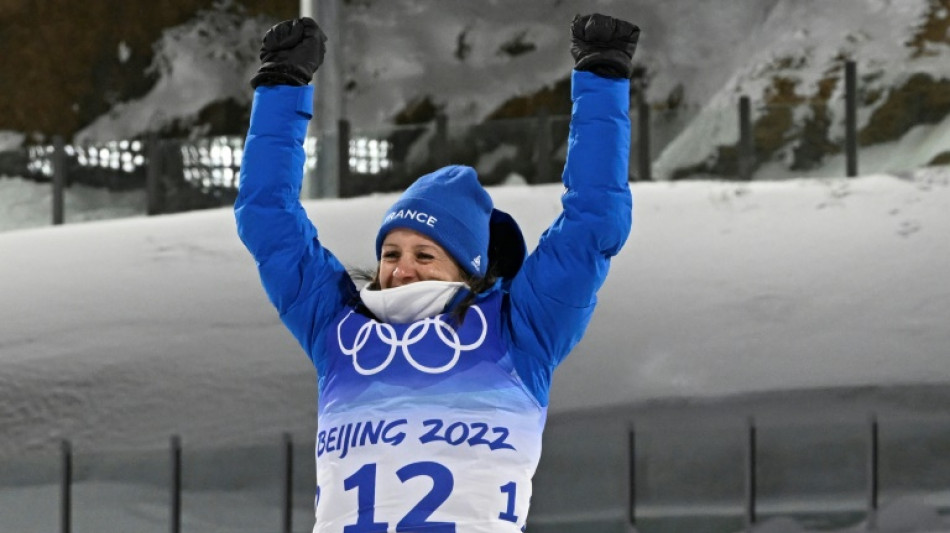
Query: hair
x,y
476,285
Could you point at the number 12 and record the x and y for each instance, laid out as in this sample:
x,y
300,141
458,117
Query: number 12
x,y
364,480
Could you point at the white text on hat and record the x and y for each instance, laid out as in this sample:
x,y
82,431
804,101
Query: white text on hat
x,y
418,216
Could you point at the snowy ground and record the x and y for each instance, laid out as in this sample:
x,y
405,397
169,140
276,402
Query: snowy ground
x,y
27,204
807,303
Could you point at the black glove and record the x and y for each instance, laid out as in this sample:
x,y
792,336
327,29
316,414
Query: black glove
x,y
603,45
291,51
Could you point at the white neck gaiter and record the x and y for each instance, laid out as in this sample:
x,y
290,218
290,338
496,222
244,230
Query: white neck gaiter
x,y
415,301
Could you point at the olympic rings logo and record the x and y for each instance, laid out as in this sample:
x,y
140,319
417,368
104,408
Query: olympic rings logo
x,y
415,333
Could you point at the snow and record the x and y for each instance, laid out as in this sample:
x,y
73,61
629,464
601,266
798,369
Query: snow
x,y
751,287
816,300
27,204
808,302
712,52
206,60
10,140
805,42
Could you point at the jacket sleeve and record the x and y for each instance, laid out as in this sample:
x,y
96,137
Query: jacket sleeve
x,y
303,280
553,296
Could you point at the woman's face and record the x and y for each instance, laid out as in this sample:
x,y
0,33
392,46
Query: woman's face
x,y
408,256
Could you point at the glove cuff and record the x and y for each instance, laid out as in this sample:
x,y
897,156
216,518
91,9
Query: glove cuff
x,y
606,64
279,74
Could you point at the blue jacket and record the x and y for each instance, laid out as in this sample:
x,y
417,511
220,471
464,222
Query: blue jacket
x,y
548,302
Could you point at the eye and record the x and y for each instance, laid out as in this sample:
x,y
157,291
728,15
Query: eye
x,y
423,256
391,255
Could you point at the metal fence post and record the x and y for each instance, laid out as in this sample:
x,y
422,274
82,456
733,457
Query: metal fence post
x,y
153,173
746,155
66,499
440,155
750,474
632,480
288,499
175,484
851,117
644,164
59,179
343,137
328,102
544,146
873,487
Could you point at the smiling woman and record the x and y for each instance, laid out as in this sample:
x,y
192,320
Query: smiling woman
x,y
444,360
409,256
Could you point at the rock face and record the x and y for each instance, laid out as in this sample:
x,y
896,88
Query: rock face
x,y
68,63
804,144
797,85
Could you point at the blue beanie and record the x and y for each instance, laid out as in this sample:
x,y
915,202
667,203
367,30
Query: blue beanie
x,y
450,207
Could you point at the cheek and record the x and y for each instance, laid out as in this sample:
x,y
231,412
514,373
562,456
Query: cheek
x,y
442,272
384,274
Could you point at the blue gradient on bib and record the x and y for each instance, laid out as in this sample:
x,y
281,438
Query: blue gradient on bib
x,y
429,362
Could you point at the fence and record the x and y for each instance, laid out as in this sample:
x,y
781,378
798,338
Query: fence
x,y
179,175
257,488
670,473
810,475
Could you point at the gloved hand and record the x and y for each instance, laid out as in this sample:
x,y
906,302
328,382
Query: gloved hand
x,y
603,45
291,51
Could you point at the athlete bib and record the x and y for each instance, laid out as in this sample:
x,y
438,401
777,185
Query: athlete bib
x,y
424,427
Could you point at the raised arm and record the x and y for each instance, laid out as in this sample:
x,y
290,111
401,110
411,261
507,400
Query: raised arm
x,y
552,298
303,280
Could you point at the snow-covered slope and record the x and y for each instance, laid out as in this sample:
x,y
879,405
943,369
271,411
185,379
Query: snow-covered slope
x,y
696,44
110,331
795,59
454,51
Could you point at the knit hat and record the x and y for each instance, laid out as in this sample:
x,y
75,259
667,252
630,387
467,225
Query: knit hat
x,y
450,207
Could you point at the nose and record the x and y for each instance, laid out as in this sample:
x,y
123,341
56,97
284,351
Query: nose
x,y
404,273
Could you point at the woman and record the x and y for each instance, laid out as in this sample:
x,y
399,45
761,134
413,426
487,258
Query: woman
x,y
433,379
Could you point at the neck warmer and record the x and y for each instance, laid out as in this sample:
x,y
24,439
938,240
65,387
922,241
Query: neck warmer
x,y
412,302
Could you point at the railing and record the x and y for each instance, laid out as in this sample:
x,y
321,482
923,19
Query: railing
x,y
252,489
673,473
715,479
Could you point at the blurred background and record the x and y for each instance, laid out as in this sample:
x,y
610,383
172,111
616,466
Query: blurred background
x,y
409,85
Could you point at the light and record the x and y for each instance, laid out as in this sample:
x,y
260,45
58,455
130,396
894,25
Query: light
x,y
215,153
369,155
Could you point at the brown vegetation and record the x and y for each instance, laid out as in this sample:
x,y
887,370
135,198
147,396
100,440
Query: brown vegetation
x,y
556,99
61,58
920,100
934,29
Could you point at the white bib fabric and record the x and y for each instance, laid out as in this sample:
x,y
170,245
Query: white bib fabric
x,y
424,427
412,302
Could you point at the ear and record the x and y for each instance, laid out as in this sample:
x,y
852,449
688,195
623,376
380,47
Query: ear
x,y
506,246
